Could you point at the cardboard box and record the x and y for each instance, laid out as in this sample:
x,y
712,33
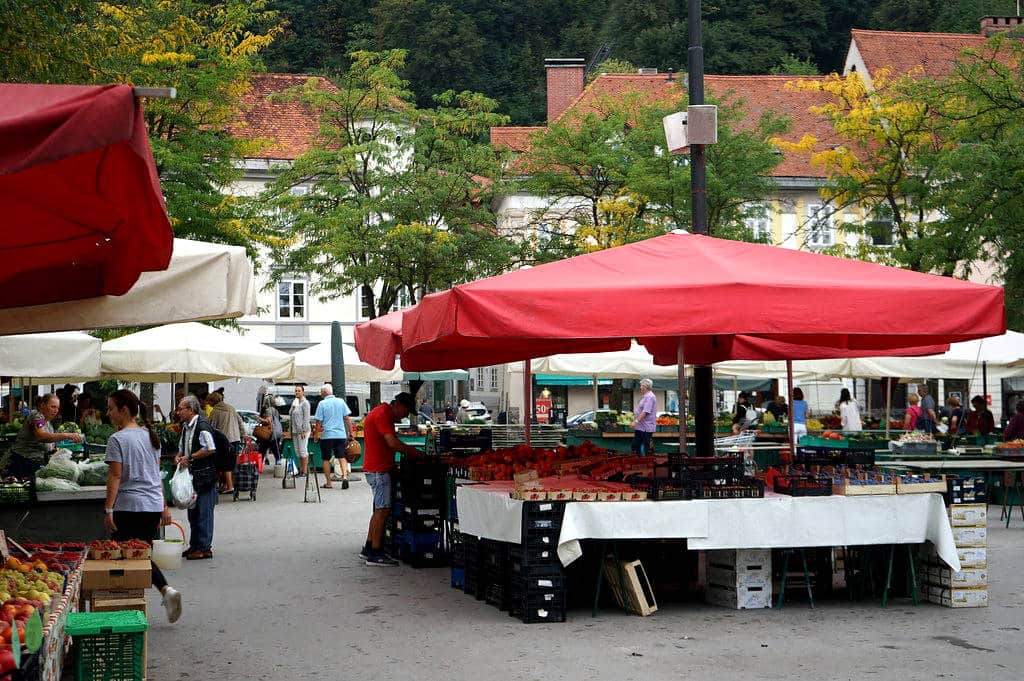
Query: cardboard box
x,y
117,574
959,598
740,598
113,594
114,604
968,515
733,578
970,537
740,557
970,578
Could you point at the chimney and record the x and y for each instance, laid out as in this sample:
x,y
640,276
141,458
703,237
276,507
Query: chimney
x,y
565,84
992,25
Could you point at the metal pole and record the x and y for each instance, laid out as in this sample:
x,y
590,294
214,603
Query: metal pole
x,y
888,403
681,375
789,389
597,401
703,381
984,381
528,398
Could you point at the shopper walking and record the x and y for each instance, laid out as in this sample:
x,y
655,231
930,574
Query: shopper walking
x,y
333,413
928,418
849,411
36,439
225,418
299,424
645,416
197,450
135,505
379,446
271,418
799,414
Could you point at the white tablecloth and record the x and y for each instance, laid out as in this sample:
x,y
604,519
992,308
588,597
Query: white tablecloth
x,y
772,522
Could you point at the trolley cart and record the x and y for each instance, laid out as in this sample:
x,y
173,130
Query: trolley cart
x,y
247,474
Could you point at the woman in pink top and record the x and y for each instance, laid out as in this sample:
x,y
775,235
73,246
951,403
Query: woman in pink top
x,y
644,419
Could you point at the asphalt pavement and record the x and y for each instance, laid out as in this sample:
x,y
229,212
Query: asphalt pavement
x,y
286,597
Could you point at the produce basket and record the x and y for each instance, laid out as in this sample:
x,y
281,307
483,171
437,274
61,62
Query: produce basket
x,y
108,645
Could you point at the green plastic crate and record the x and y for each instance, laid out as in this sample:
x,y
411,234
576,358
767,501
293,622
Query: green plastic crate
x,y
108,645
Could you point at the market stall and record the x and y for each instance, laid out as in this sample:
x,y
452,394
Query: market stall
x,y
680,311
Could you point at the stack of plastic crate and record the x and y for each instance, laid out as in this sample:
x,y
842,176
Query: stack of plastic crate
x,y
495,572
537,587
418,507
968,586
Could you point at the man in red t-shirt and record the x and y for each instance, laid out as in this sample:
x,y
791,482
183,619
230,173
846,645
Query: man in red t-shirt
x,y
379,446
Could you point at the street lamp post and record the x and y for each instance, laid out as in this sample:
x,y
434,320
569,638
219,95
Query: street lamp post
x,y
703,379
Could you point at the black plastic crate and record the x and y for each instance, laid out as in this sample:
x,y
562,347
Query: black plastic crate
x,y
860,457
538,584
536,553
535,614
518,569
552,598
422,559
803,486
418,520
14,494
28,671
494,555
541,540
689,468
749,488
496,594
663,489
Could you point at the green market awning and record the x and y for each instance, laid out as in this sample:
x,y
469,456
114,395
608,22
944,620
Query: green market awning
x,y
560,379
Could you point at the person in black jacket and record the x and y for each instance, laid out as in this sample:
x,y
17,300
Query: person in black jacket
x,y
197,450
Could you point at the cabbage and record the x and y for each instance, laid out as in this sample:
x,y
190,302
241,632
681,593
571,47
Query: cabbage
x,y
92,473
60,465
56,485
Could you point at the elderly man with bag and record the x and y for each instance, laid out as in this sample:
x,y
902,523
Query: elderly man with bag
x,y
197,450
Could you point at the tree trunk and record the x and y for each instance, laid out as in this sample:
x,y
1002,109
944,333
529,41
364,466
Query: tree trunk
x,y
374,394
615,400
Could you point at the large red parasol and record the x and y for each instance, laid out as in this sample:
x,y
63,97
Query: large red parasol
x,y
726,299
82,212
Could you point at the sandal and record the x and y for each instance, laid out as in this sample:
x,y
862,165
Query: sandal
x,y
229,491
326,486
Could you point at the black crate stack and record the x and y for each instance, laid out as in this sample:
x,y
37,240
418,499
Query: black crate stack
x,y
419,505
537,587
495,572
473,581
709,477
453,542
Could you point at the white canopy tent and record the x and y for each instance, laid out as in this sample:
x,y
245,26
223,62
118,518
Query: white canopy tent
x,y
313,365
191,351
65,357
204,281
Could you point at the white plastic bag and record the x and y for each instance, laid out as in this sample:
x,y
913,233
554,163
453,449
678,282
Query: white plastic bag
x,y
182,492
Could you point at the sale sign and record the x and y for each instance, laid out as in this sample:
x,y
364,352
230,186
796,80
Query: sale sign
x,y
543,409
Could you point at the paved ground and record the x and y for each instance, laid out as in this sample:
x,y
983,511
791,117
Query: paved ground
x,y
287,598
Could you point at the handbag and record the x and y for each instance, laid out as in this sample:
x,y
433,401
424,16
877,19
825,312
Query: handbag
x,y
353,452
262,432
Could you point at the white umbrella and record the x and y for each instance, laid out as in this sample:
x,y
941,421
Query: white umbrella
x,y
203,281
313,365
191,351
67,357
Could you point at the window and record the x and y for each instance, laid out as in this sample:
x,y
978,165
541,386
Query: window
x,y
366,302
494,379
880,228
479,381
291,299
401,300
819,227
759,223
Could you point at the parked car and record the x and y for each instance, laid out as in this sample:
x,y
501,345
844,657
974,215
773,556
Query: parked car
x,y
477,411
576,420
250,419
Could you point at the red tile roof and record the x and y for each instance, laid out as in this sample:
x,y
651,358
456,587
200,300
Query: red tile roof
x,y
931,53
757,94
516,138
286,127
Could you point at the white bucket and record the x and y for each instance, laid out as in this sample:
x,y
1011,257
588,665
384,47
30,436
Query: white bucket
x,y
167,553
279,469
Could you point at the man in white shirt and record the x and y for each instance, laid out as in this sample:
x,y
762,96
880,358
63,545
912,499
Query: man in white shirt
x,y
197,450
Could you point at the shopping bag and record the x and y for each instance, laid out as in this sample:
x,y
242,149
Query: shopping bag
x,y
182,492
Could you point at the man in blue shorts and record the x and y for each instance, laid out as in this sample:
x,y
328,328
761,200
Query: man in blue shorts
x,y
333,414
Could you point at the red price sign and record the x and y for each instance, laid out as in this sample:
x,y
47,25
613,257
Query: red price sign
x,y
543,409
988,400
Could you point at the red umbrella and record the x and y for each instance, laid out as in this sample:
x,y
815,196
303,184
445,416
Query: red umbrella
x,y
727,299
82,210
380,339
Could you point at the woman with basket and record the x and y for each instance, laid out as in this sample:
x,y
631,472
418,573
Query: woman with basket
x,y
135,505
268,433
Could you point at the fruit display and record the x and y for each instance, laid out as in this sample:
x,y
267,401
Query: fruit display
x,y
136,549
667,420
502,464
832,435
105,549
1012,444
69,427
574,488
815,424
32,580
831,421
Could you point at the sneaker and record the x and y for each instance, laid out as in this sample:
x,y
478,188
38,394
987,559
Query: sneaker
x,y
172,604
344,484
381,560
300,475
364,553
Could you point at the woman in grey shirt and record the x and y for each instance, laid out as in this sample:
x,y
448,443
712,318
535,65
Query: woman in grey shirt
x,y
135,505
299,425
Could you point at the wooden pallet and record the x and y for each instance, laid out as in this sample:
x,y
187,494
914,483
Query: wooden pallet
x,y
636,595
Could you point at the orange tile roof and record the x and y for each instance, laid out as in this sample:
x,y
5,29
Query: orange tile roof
x,y
757,94
286,127
516,138
933,53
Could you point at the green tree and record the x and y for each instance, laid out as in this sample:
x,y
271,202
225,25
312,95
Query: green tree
x,y
792,65
206,51
399,198
609,180
47,41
